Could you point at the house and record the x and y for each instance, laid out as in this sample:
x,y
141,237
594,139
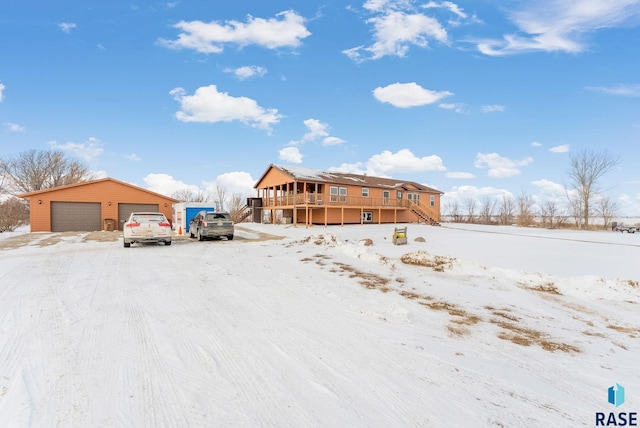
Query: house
x,y
103,204
307,196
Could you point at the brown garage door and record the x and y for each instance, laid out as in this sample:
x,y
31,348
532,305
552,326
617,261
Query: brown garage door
x,y
75,216
124,210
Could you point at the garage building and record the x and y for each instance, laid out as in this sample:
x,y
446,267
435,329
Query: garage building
x,y
103,204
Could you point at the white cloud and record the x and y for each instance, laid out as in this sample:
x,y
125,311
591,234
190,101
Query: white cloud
x,y
549,187
500,167
2,87
395,32
209,105
385,163
247,71
165,184
132,157
536,144
350,168
461,194
406,95
99,173
619,90
235,182
316,129
290,154
563,148
559,25
14,127
452,7
401,162
287,29
456,107
549,191
67,26
89,150
492,108
459,175
332,141
379,5
629,205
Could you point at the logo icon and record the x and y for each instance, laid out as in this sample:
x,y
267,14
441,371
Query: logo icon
x,y
616,395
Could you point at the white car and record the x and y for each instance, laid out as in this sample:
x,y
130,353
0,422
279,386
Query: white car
x,y
147,227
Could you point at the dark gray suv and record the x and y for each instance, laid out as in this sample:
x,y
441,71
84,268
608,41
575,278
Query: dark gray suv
x,y
211,224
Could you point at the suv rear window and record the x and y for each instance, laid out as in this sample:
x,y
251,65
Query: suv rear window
x,y
217,216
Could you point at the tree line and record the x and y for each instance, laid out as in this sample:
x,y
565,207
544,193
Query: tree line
x,y
220,197
35,170
584,199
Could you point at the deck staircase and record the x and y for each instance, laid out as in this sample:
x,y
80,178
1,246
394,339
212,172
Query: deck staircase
x,y
423,215
241,214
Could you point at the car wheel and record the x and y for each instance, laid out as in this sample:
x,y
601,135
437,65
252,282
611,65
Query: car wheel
x,y
230,237
127,244
167,242
191,235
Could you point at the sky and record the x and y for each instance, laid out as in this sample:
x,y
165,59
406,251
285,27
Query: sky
x,y
476,99
483,326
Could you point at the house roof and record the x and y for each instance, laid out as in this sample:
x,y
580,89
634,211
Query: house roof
x,y
88,183
334,177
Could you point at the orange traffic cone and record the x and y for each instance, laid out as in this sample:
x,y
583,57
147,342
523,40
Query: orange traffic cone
x,y
180,231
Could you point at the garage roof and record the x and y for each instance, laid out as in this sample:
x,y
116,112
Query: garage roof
x,y
88,183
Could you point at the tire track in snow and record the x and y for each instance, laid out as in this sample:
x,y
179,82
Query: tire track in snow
x,y
40,368
143,386
245,396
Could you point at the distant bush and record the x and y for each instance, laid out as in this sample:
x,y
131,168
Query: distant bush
x,y
13,213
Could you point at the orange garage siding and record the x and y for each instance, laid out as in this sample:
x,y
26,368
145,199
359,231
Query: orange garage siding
x,y
106,192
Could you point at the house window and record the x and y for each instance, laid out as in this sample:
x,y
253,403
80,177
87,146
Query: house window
x,y
432,200
367,217
365,192
337,194
399,194
414,197
386,195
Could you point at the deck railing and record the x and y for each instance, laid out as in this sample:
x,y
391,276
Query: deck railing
x,y
319,199
315,200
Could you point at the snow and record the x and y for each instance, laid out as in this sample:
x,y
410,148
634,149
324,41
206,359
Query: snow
x,y
309,327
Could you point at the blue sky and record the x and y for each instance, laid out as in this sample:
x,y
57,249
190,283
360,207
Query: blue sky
x,y
475,98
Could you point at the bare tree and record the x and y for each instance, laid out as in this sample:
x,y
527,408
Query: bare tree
x,y
525,209
585,170
470,206
550,213
36,170
453,210
13,213
188,195
506,210
606,208
220,197
487,209
576,208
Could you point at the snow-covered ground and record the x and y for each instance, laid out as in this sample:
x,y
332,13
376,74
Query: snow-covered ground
x,y
485,327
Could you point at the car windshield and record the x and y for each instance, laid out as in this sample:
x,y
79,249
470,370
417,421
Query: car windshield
x,y
148,218
217,216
